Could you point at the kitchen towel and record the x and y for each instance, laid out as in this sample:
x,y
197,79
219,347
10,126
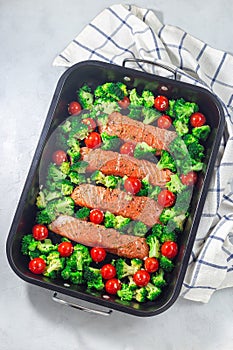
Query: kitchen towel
x,y
123,31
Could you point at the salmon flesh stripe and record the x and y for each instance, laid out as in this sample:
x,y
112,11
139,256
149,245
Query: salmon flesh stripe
x,y
93,235
118,202
132,130
113,163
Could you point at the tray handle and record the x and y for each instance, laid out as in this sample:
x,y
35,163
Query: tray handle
x,y
141,60
79,307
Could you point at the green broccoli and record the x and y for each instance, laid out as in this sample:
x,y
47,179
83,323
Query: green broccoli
x,y
144,151
166,264
66,187
111,181
148,98
105,108
157,231
79,167
93,278
54,173
66,126
121,222
109,220
29,246
140,229
167,235
74,144
73,155
150,115
158,279
41,200
184,109
135,99
111,91
123,269
170,111
181,126
140,294
85,96
154,246
154,192
146,188
135,112
201,132
152,291
110,142
76,277
175,185
98,177
55,263
44,217
179,150
77,178
65,168
173,219
79,259
125,293
183,199
79,130
46,246
196,151
83,213
59,206
166,161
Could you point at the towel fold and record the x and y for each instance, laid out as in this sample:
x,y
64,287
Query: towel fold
x,y
122,32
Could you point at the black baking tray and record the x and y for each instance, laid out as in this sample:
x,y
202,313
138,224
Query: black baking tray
x,y
95,73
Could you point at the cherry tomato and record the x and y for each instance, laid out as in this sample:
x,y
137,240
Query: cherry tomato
x,y
161,103
108,271
65,249
169,249
151,264
189,179
112,286
93,140
164,122
141,278
132,185
166,198
74,108
124,103
96,216
90,123
98,254
127,148
37,266
197,119
40,232
59,157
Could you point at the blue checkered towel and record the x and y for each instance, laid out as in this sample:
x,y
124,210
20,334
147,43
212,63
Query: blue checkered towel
x,y
123,31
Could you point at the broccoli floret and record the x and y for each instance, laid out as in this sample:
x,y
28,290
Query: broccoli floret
x,y
184,108
79,167
121,222
152,291
154,246
196,151
106,107
148,98
44,217
140,229
166,161
140,294
98,177
54,173
166,264
77,178
79,259
93,278
146,188
54,264
83,213
66,127
109,220
110,142
170,111
173,219
65,168
197,166
111,91
135,112
41,200
66,272
111,181
76,277
73,155
167,235
29,246
102,117
46,246
201,132
189,139
60,206
85,96
158,279
74,144
178,149
157,230
66,187
181,126
175,185
144,151
125,293
123,269
154,192
135,99
137,263
150,115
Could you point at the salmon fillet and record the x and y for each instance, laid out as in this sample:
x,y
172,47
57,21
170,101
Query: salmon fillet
x,y
129,129
93,235
118,202
113,163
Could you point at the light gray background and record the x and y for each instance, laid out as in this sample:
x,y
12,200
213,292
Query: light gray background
x,y
32,33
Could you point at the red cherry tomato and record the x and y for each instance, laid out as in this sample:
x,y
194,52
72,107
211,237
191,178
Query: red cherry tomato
x,y
65,249
74,108
189,179
141,278
151,264
93,140
96,216
40,232
164,122
90,123
112,286
127,148
132,185
124,103
161,103
166,198
59,157
37,266
98,254
108,271
197,119
169,249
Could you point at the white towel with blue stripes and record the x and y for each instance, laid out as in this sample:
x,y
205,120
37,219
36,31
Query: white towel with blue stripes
x,y
123,31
